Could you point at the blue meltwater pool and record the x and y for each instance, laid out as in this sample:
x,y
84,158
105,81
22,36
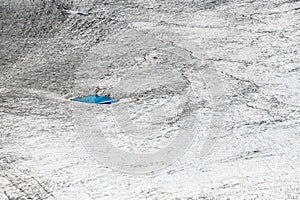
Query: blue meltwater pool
x,y
96,99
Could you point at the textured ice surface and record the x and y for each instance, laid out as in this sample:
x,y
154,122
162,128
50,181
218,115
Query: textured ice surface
x,y
232,67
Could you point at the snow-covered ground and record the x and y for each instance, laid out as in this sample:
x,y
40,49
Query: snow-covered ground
x,y
218,115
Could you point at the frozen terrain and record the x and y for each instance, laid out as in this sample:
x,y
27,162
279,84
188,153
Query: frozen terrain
x,y
218,115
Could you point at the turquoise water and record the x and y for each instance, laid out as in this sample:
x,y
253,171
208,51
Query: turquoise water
x,y
96,99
